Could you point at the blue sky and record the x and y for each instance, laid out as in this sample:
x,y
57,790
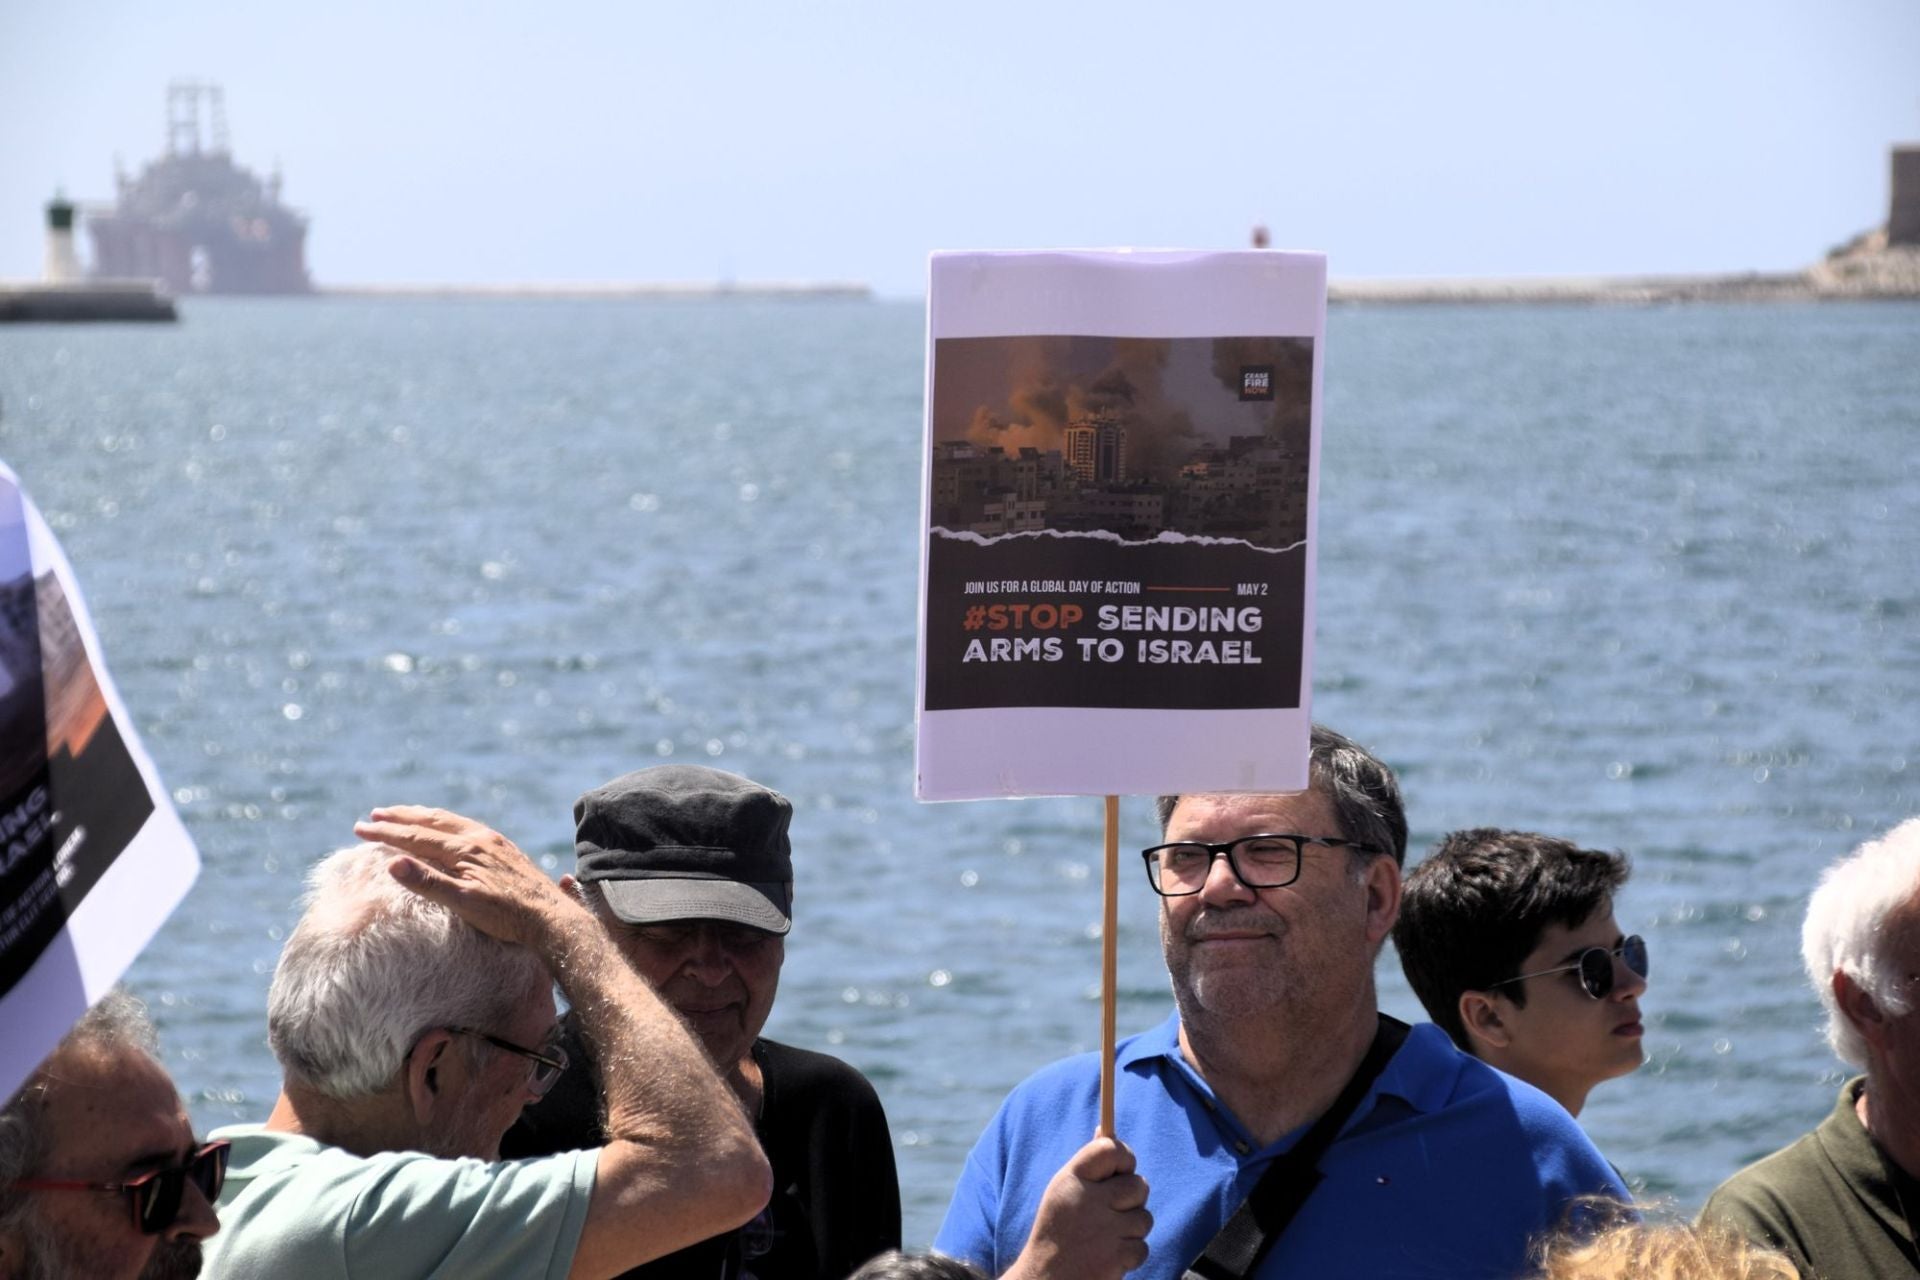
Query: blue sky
x,y
585,140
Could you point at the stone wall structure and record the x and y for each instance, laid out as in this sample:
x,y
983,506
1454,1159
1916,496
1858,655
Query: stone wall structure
x,y
1903,209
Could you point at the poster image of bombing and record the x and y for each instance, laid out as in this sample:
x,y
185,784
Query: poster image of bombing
x,y
1118,522
71,796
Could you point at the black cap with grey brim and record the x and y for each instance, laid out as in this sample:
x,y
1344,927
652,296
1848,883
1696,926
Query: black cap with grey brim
x,y
685,842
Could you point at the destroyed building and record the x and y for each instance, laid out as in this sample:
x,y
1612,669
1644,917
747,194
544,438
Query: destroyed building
x,y
196,220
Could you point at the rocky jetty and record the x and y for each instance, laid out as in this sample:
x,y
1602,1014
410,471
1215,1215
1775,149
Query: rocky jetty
x,y
1865,268
1868,267
1881,264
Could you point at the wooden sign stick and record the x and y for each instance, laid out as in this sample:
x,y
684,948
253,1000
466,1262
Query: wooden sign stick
x,y
1109,952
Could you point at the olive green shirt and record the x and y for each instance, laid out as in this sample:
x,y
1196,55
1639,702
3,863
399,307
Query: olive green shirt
x,y
1830,1202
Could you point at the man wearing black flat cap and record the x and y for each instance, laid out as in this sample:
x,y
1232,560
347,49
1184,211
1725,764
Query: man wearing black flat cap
x,y
690,871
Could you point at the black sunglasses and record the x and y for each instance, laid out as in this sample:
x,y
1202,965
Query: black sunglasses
x,y
1595,966
155,1196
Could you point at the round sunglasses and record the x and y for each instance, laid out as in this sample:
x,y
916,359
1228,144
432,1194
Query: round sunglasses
x,y
156,1196
1595,966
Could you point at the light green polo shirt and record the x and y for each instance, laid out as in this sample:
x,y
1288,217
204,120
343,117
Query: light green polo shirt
x,y
293,1207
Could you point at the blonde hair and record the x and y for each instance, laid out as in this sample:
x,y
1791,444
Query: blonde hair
x,y
1673,1251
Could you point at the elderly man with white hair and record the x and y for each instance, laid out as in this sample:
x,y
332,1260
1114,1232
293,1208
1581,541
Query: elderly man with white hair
x,y
1840,1202
412,1013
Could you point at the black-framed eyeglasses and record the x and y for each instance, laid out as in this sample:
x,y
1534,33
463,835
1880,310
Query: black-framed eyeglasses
x,y
1595,966
548,1063
1259,862
156,1196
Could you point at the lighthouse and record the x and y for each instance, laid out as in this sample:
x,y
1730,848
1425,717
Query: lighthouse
x,y
66,295
62,266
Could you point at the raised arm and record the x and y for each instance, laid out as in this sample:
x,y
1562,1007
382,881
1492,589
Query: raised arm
x,y
681,1163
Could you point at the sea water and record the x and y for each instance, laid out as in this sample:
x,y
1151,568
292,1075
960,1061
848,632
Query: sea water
x,y
1642,577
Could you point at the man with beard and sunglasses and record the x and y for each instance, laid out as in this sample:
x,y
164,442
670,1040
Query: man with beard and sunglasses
x,y
1276,1124
100,1174
1509,940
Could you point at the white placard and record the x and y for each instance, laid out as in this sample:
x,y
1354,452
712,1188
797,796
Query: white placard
x,y
1118,501
93,857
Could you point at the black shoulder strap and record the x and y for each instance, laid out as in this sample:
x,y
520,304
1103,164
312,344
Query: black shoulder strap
x,y
1236,1250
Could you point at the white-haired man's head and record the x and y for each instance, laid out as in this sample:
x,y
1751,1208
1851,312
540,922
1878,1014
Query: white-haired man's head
x,y
1862,910
371,967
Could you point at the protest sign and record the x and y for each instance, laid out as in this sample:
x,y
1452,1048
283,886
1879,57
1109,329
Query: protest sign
x,y
1120,475
93,858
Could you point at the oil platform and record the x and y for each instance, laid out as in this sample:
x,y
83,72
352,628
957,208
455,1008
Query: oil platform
x,y
197,221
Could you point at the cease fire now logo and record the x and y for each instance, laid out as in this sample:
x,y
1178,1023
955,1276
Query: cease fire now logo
x,y
1256,382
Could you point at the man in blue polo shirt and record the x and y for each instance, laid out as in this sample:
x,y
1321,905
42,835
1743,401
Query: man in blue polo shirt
x,y
1273,910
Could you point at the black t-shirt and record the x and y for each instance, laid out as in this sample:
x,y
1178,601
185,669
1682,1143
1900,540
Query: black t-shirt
x,y
836,1197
